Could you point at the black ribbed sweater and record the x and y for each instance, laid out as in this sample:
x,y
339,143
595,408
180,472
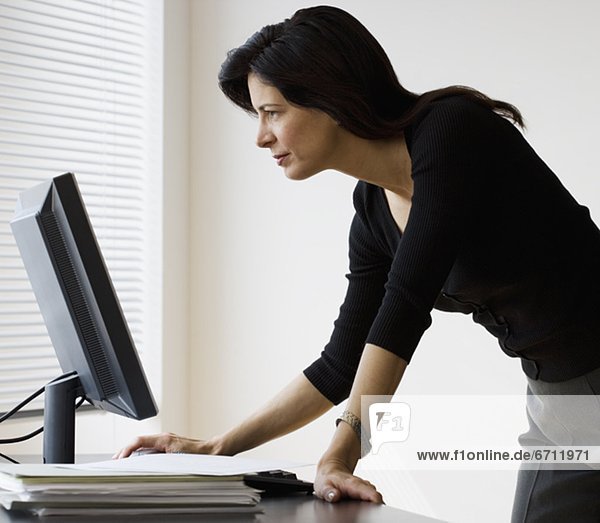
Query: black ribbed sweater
x,y
491,232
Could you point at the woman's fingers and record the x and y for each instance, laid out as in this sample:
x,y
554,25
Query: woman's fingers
x,y
352,488
165,442
357,488
331,494
334,485
138,443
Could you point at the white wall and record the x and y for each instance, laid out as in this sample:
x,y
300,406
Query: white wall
x,y
176,222
268,256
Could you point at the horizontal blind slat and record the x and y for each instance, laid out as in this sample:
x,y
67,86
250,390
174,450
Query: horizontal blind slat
x,y
132,14
18,12
55,82
26,43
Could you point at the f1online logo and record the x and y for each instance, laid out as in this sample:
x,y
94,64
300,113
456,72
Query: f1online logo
x,y
389,422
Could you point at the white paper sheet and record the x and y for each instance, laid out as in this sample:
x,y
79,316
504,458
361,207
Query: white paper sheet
x,y
196,464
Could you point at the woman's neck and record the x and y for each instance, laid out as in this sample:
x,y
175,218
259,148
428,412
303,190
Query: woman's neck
x,y
385,163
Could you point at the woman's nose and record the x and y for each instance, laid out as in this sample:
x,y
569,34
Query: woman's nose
x,y
264,137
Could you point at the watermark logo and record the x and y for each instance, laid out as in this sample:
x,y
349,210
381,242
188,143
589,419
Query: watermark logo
x,y
389,422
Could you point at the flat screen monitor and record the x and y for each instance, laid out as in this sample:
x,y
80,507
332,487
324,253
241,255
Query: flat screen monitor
x,y
81,311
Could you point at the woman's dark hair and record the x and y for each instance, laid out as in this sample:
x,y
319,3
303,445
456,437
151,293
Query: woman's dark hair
x,y
324,58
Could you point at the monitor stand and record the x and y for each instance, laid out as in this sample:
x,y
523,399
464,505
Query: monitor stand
x,y
59,419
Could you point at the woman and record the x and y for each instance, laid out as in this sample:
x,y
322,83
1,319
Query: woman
x,y
454,210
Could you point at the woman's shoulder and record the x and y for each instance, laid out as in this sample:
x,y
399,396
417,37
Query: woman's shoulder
x,y
456,108
457,119
369,203
364,194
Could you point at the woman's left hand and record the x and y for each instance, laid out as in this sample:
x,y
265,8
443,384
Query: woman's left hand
x,y
335,481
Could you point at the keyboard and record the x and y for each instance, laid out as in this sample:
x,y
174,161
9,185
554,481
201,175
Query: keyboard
x,y
278,483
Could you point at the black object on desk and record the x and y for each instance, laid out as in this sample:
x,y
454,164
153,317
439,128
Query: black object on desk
x,y
278,483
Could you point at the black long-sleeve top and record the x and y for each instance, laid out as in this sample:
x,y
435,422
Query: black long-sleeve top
x,y
492,232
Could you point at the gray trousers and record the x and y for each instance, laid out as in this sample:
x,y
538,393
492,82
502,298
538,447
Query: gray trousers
x,y
545,493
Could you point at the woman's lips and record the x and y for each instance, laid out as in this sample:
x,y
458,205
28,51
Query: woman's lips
x,y
280,158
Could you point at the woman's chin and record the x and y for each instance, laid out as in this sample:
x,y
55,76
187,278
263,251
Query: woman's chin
x,y
293,174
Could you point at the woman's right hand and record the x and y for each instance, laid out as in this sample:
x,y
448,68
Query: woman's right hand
x,y
295,406
169,443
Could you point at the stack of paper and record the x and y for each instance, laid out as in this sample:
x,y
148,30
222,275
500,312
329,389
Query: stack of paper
x,y
159,483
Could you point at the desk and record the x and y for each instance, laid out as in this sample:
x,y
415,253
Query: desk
x,y
297,508
289,509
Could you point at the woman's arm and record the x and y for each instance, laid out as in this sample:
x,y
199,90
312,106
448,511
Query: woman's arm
x,y
379,373
296,405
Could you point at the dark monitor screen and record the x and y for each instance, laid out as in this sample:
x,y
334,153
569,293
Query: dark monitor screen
x,y
78,303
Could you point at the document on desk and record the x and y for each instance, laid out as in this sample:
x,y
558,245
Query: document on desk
x,y
201,464
156,483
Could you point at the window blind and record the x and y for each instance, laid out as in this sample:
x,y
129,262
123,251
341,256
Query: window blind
x,y
80,91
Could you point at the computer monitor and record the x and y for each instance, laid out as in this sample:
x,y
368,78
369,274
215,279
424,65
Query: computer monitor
x,y
81,312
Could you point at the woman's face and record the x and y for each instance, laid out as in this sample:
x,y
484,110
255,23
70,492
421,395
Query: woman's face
x,y
302,141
